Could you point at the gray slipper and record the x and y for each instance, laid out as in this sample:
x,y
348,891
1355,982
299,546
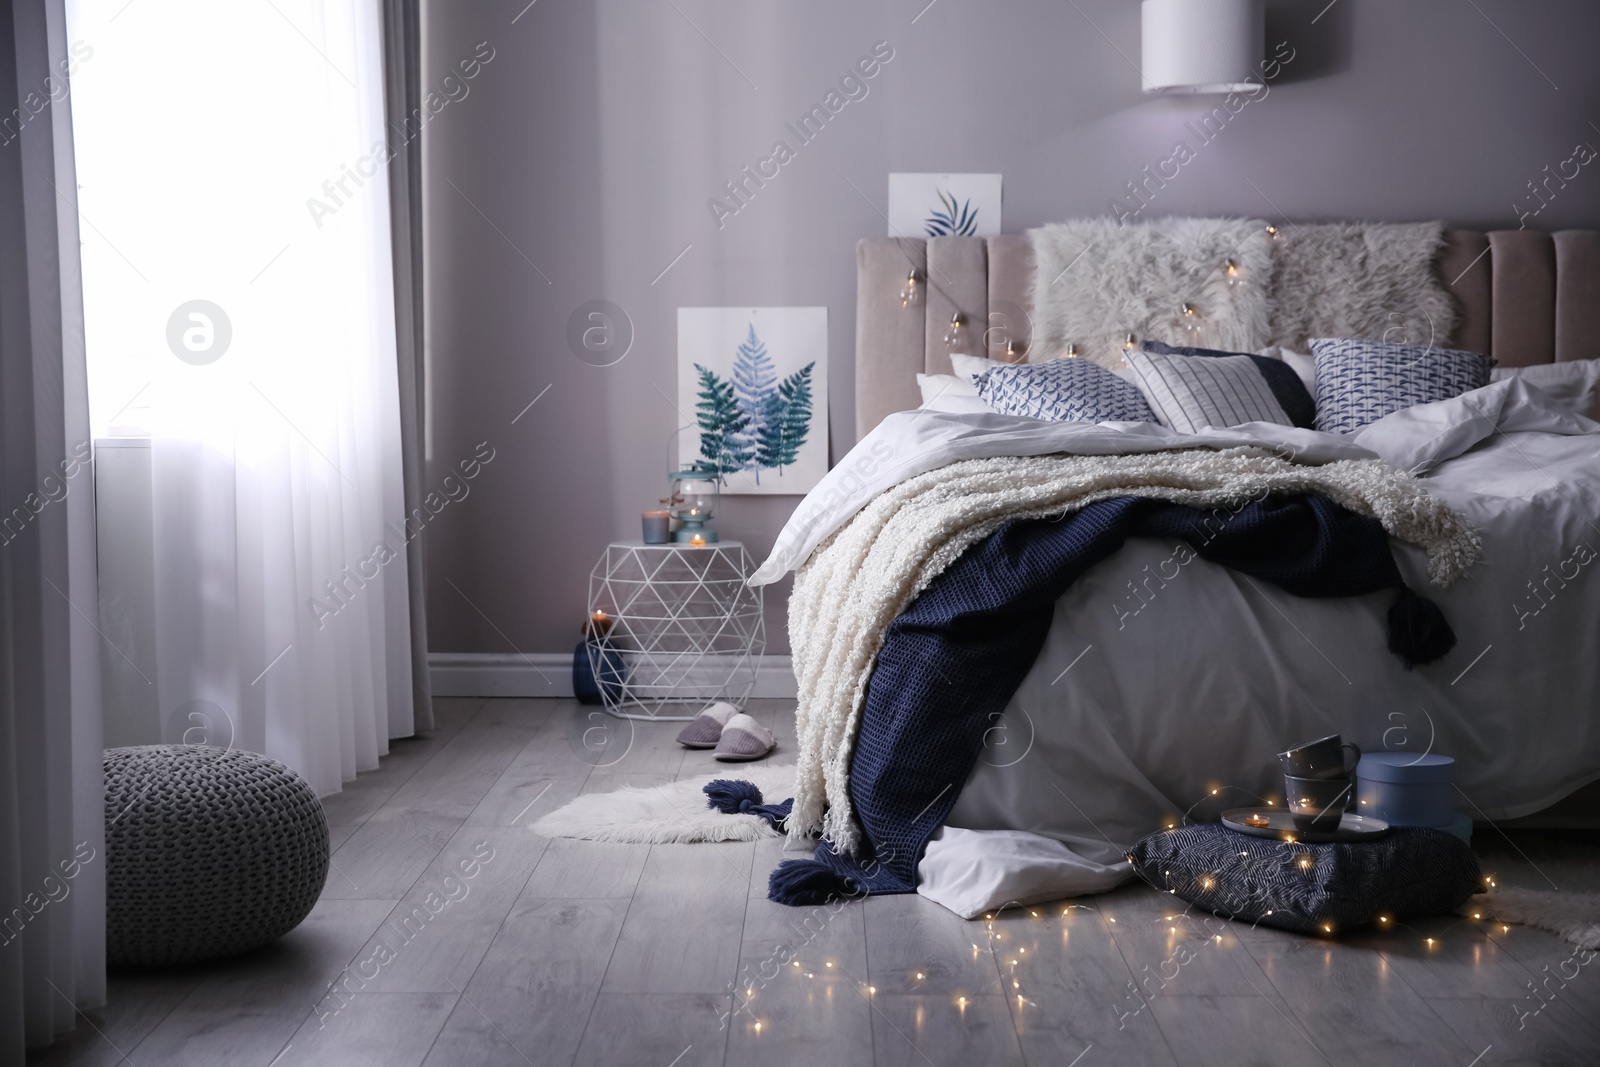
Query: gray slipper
x,y
706,729
743,739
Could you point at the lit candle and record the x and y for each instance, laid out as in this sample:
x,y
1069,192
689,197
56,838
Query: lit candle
x,y
697,541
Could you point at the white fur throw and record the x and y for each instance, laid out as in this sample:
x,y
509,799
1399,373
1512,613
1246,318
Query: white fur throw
x,y
1096,282
865,574
1368,280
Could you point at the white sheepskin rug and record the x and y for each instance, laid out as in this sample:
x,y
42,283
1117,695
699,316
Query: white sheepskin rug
x,y
1095,282
669,814
1573,917
1359,279
1232,284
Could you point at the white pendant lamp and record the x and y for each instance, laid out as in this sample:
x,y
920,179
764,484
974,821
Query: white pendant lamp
x,y
1201,46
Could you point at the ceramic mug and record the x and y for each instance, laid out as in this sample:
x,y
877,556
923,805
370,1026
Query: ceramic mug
x,y
1322,758
1317,803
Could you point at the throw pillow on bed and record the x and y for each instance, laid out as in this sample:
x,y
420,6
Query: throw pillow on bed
x,y
1314,889
1190,394
1571,381
1288,385
1063,390
951,393
1359,382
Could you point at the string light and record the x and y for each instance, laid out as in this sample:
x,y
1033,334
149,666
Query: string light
x,y
1129,342
919,976
1071,352
909,295
830,963
871,989
1272,231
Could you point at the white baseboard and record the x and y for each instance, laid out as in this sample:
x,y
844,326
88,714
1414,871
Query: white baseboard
x,y
549,674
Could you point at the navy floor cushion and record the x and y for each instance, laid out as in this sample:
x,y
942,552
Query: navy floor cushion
x,y
1314,889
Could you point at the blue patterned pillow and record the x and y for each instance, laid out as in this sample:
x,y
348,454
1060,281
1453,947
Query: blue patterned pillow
x,y
1063,390
1315,889
1359,382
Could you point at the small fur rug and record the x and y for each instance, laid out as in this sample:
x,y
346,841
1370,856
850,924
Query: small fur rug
x,y
1573,917
676,813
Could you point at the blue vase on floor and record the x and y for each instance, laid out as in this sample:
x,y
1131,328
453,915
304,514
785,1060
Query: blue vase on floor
x,y
585,686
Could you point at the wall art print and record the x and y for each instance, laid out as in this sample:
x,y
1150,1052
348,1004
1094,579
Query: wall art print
x,y
753,388
944,205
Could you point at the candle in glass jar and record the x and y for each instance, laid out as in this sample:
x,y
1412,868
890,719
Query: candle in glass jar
x,y
655,526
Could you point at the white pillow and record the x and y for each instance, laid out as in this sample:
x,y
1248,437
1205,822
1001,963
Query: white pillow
x,y
973,367
1572,381
1189,394
948,392
972,871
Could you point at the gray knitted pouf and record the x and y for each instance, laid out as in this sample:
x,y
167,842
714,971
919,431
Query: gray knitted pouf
x,y
209,852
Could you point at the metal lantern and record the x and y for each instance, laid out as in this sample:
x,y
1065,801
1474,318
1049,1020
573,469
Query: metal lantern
x,y
694,493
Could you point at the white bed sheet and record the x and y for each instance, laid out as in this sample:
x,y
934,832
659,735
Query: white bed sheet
x,y
1138,708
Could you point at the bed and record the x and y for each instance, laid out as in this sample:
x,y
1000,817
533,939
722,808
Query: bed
x,y
1149,706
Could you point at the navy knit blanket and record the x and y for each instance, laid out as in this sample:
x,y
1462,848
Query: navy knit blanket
x,y
952,660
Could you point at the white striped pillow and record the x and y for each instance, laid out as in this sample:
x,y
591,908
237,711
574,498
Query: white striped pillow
x,y
1189,393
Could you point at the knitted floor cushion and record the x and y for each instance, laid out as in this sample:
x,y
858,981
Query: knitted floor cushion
x,y
209,852
1313,889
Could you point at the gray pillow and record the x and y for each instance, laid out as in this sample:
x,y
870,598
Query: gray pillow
x,y
1312,889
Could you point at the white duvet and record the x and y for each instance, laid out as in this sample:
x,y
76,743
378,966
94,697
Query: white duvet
x,y
1161,680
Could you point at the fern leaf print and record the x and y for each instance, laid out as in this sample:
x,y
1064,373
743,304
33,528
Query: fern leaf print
x,y
755,389
724,444
956,220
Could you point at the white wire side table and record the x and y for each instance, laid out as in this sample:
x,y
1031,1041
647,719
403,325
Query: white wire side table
x,y
684,628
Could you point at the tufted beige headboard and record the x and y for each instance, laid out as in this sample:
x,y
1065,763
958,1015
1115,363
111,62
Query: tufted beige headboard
x,y
1525,297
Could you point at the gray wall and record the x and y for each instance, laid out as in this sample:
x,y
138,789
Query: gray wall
x,y
580,161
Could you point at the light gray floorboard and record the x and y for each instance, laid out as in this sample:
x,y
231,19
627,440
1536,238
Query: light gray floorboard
x,y
373,1030
563,952
685,921
434,939
535,989
916,1030
246,1009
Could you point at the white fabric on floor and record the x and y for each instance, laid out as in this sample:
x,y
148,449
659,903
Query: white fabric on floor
x,y
971,872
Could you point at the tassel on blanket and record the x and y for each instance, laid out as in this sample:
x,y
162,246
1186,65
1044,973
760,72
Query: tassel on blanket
x,y
805,883
733,796
1418,632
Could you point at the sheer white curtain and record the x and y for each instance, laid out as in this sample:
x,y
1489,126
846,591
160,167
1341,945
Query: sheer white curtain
x,y
240,311
52,807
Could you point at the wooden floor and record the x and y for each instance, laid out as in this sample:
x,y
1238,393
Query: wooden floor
x,y
558,952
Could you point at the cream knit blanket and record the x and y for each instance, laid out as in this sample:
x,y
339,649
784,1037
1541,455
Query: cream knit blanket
x,y
869,570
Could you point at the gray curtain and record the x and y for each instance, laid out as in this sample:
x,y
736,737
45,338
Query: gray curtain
x,y
402,96
52,814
